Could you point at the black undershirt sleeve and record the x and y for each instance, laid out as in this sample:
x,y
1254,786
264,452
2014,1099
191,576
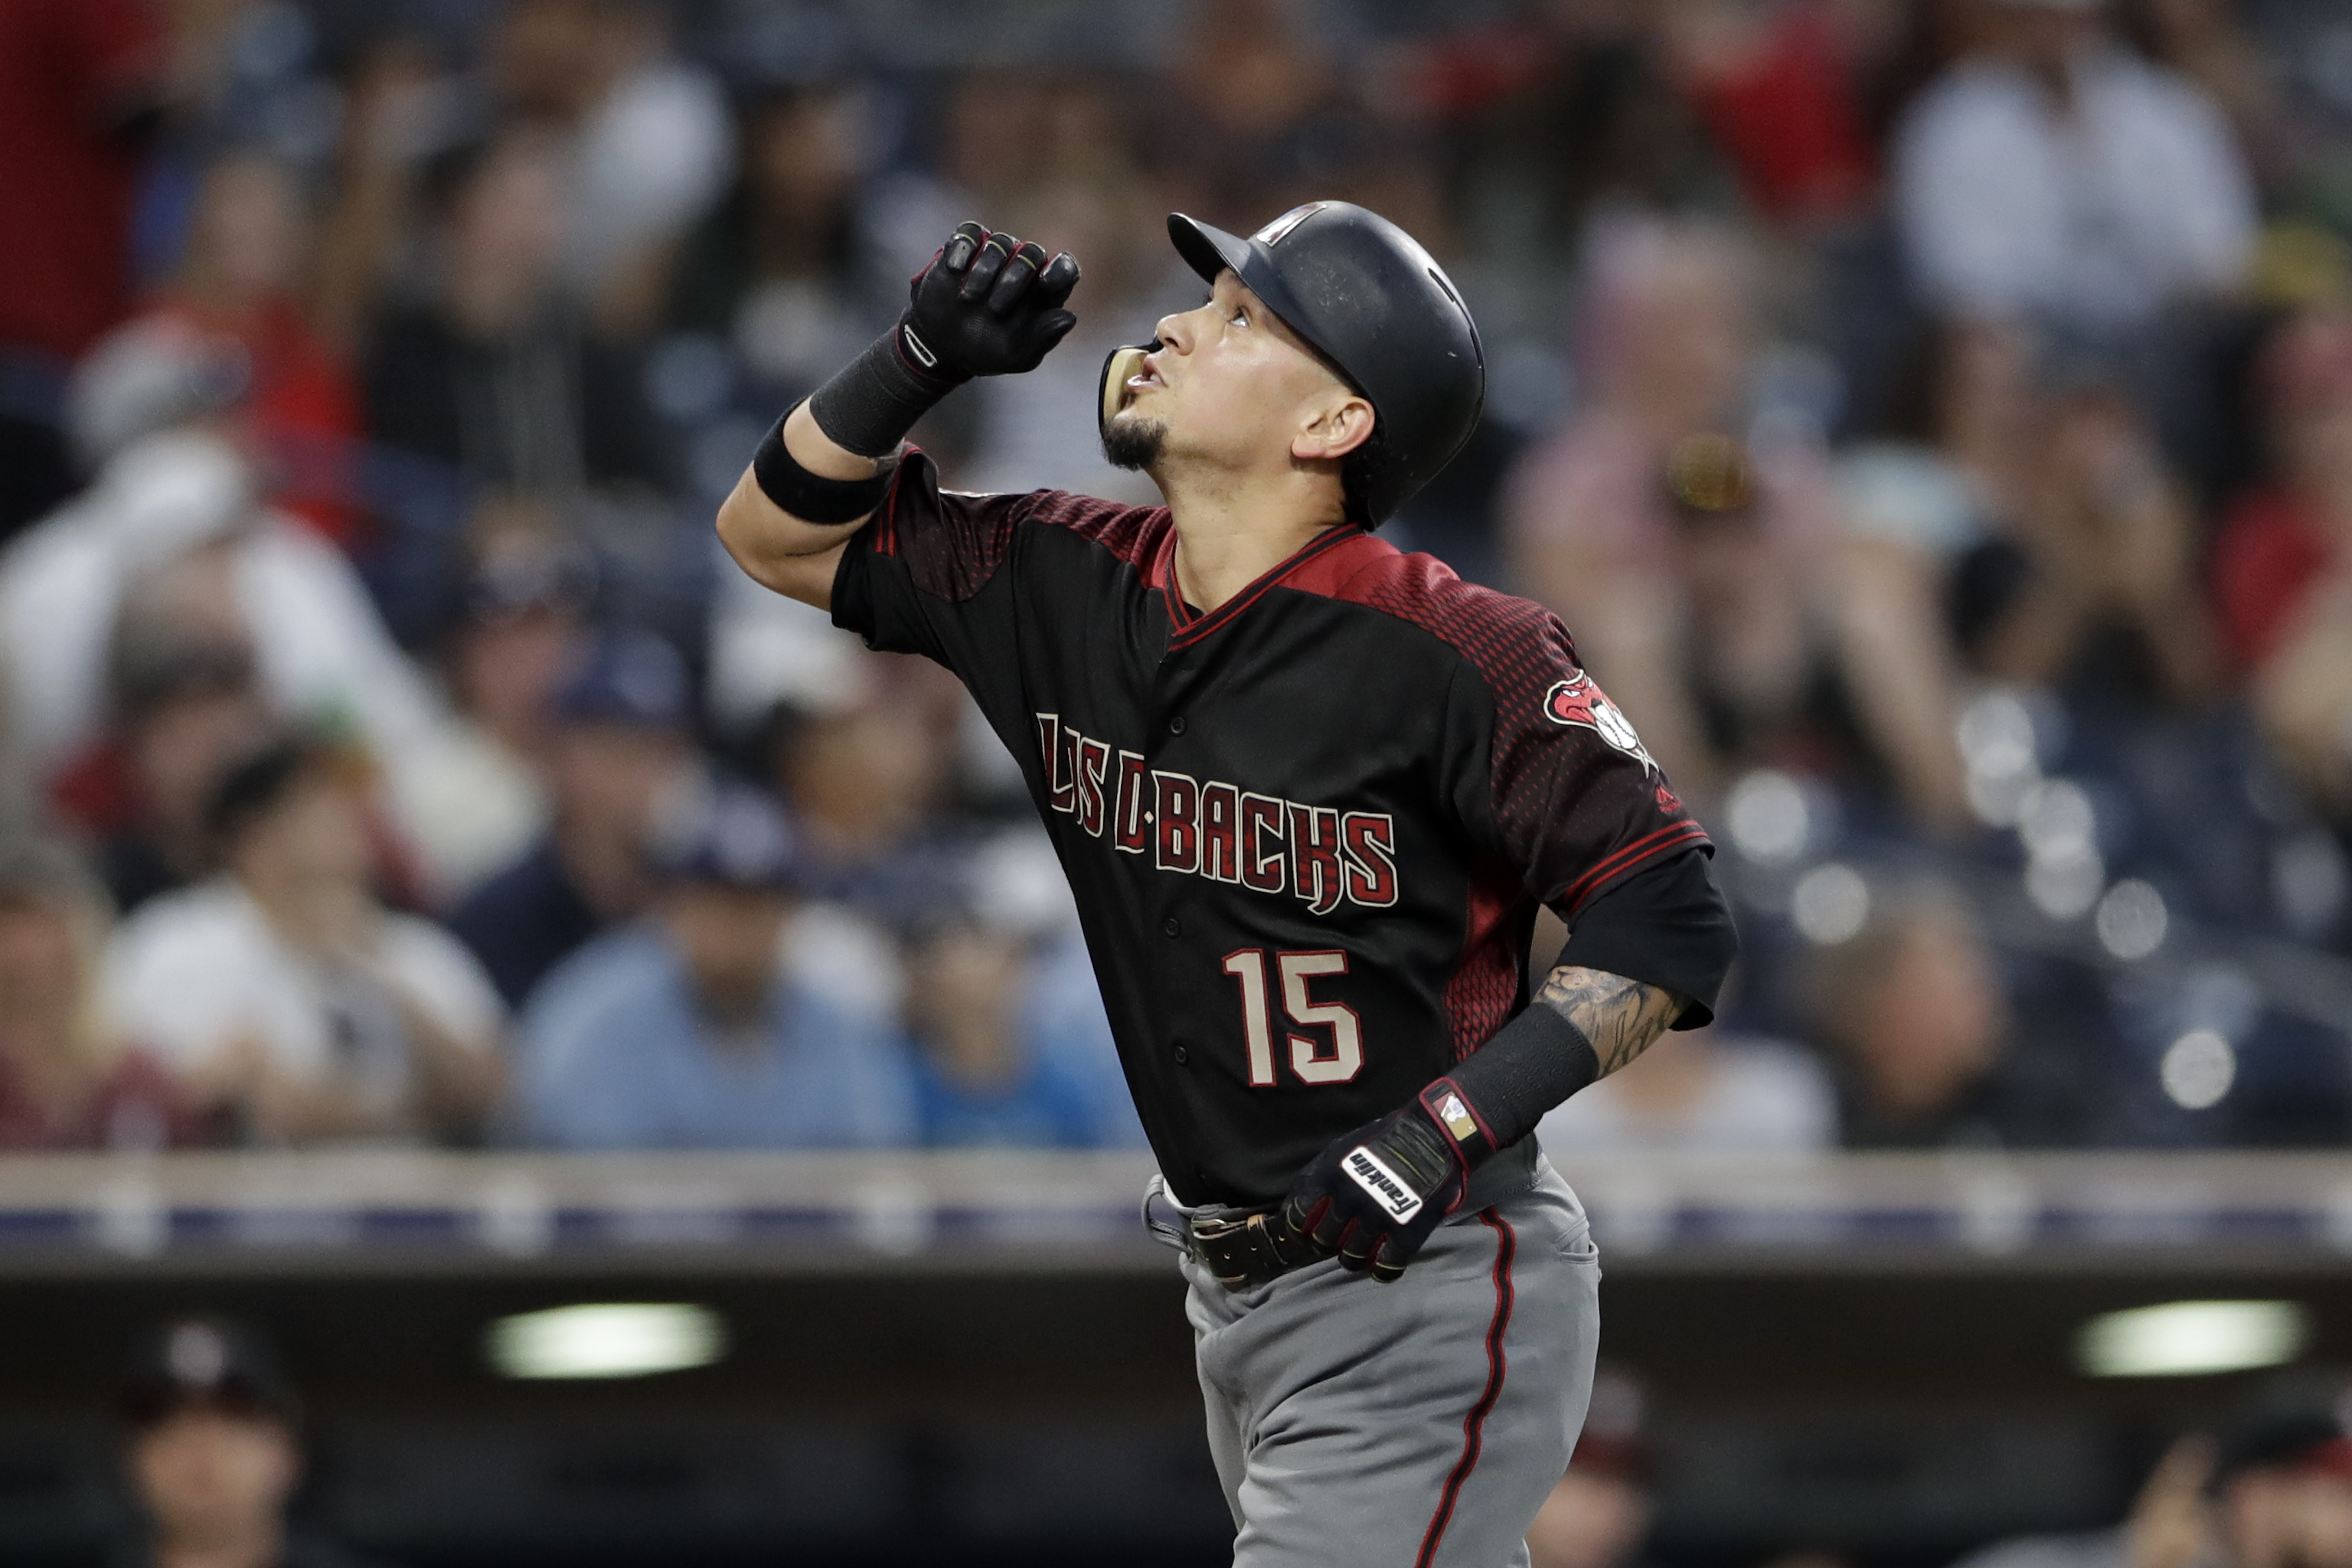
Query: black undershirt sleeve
x,y
853,595
1668,925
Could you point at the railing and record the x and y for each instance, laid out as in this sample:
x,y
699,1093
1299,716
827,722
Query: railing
x,y
376,1210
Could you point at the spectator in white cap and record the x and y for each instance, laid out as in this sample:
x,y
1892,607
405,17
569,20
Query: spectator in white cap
x,y
689,1029
212,1446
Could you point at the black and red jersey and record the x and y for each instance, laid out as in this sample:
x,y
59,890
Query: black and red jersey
x,y
1307,831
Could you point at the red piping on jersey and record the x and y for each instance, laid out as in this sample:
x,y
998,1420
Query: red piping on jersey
x,y
1674,835
1189,628
1485,984
1474,1424
886,538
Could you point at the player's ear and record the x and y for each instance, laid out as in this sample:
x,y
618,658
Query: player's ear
x,y
1334,428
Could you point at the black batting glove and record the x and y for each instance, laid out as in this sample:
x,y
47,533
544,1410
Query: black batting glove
x,y
1372,1197
988,304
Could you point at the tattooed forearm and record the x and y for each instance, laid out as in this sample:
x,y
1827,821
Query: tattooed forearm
x,y
1619,1017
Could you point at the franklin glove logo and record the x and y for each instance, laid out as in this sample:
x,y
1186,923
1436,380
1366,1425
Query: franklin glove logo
x,y
1367,1171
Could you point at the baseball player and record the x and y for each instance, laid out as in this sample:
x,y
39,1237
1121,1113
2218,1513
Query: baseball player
x,y
1308,791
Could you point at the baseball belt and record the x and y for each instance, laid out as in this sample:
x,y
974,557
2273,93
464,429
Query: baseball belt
x,y
1241,1248
1238,1247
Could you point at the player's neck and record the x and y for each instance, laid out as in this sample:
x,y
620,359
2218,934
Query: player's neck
x,y
1227,537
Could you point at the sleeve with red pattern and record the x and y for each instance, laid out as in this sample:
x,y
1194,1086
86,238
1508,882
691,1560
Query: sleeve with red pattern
x,y
1548,767
911,579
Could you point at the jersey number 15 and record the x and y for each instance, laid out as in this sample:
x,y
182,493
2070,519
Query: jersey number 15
x,y
1307,1059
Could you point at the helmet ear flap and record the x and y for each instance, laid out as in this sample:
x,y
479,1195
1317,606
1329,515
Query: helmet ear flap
x,y
1122,363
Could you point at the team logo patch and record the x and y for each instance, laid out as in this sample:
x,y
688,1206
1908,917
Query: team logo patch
x,y
1367,1171
1576,701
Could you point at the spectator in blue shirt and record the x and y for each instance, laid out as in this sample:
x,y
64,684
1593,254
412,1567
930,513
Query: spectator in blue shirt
x,y
992,1066
684,1029
620,744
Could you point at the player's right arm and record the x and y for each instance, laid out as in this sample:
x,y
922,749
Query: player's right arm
x,y
787,554
988,304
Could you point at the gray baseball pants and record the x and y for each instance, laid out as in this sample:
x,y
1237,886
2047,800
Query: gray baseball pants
x,y
1417,1425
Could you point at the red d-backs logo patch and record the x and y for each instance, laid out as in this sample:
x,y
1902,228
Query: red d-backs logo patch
x,y
1577,701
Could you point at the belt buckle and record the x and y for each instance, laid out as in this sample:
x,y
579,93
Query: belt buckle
x,y
1242,1245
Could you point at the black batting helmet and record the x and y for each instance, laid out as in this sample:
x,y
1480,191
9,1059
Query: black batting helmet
x,y
1375,305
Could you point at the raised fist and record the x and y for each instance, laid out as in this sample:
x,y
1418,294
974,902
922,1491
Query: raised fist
x,y
988,304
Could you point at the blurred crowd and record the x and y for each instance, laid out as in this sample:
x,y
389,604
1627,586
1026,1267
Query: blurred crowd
x,y
1933,418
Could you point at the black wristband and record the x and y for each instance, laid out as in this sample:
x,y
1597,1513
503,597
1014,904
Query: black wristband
x,y
874,400
812,498
1496,1095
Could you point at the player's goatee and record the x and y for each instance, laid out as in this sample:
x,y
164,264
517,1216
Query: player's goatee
x,y
1129,442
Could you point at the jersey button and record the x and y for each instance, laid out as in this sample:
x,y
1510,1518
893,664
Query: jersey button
x,y
1172,926
1183,1055
1176,725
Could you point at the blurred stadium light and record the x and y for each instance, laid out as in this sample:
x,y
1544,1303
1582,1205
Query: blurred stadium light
x,y
614,1339
2183,1339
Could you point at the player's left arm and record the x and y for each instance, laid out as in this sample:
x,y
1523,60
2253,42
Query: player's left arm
x,y
1550,775
1620,1018
1645,954
1372,1197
